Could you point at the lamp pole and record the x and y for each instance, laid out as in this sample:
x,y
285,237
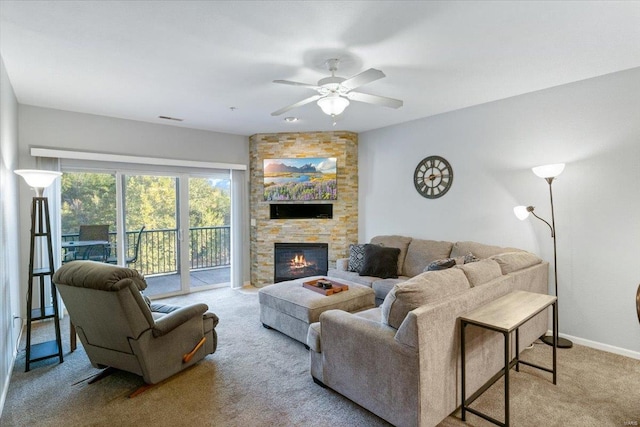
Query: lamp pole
x,y
548,172
548,339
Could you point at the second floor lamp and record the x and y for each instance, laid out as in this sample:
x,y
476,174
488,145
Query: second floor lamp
x,y
549,173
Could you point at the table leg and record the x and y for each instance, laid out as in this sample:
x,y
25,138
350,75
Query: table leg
x,y
462,328
507,361
517,349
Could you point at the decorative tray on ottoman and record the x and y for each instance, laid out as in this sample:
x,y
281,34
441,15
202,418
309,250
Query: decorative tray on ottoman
x,y
325,286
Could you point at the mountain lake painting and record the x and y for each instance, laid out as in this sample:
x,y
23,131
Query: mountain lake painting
x,y
300,179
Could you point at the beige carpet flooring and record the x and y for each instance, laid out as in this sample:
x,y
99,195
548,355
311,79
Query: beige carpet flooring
x,y
259,377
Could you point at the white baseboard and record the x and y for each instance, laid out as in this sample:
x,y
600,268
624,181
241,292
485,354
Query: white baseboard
x,y
5,386
601,346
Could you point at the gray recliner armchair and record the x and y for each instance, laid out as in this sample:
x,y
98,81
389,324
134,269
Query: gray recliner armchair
x,y
119,328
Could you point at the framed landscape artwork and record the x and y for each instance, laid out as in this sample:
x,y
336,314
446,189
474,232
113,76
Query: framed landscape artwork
x,y
301,179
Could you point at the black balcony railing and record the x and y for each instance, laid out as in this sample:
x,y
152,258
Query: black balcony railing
x,y
210,247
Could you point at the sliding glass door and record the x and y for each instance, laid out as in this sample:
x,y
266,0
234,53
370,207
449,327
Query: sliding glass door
x,y
174,229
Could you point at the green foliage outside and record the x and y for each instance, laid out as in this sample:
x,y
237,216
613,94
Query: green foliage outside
x,y
88,198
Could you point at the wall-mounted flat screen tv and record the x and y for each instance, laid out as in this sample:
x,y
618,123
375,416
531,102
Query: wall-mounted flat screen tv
x,y
300,179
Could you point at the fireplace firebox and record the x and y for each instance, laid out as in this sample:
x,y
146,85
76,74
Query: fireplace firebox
x,y
296,260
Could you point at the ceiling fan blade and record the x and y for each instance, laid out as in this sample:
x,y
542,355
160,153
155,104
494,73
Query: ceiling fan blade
x,y
363,78
289,82
375,99
297,104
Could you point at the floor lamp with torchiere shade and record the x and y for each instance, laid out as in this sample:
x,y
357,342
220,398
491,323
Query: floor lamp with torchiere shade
x,y
549,173
39,271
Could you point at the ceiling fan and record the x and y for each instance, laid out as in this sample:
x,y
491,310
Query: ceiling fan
x,y
335,92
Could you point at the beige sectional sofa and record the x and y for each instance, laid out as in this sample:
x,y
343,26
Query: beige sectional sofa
x,y
401,360
415,256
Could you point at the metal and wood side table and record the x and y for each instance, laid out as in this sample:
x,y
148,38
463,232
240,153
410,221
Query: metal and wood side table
x,y
505,315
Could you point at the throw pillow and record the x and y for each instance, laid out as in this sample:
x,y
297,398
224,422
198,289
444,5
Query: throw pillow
x,y
441,264
466,259
399,242
380,261
470,258
356,258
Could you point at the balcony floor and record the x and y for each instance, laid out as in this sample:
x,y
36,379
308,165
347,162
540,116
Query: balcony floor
x,y
170,283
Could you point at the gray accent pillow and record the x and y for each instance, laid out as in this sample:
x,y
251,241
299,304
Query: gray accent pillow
x,y
441,264
380,261
466,259
356,258
469,258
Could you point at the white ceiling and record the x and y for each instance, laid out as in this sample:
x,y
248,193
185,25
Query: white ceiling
x,y
196,59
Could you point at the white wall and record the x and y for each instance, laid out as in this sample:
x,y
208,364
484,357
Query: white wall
x,y
594,127
49,128
9,224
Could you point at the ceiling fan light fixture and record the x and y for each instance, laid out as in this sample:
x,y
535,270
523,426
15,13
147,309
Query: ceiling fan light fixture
x,y
333,105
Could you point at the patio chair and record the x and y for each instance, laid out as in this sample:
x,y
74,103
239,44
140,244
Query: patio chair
x,y
136,250
122,330
97,252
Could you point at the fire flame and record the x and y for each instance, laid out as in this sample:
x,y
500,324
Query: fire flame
x,y
299,262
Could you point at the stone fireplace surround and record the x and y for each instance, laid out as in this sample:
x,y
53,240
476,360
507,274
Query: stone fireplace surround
x,y
338,232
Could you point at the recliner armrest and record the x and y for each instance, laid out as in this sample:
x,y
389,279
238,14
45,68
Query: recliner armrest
x,y
176,318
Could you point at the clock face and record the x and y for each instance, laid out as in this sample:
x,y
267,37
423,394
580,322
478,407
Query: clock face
x,y
433,177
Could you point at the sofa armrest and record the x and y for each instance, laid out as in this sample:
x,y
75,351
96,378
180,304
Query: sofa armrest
x,y
364,362
175,318
342,264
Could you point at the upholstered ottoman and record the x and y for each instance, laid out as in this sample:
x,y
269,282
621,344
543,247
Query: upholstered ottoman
x,y
290,308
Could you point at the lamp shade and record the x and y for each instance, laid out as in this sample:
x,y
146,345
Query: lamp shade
x,y
38,179
548,171
521,212
333,104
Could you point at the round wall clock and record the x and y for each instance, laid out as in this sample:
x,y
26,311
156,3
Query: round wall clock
x,y
433,177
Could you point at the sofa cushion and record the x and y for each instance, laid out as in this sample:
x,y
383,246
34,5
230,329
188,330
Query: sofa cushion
x,y
478,249
514,261
356,258
421,253
419,290
352,277
481,272
399,242
380,261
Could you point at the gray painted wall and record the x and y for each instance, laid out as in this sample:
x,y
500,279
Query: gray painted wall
x,y
9,224
593,126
